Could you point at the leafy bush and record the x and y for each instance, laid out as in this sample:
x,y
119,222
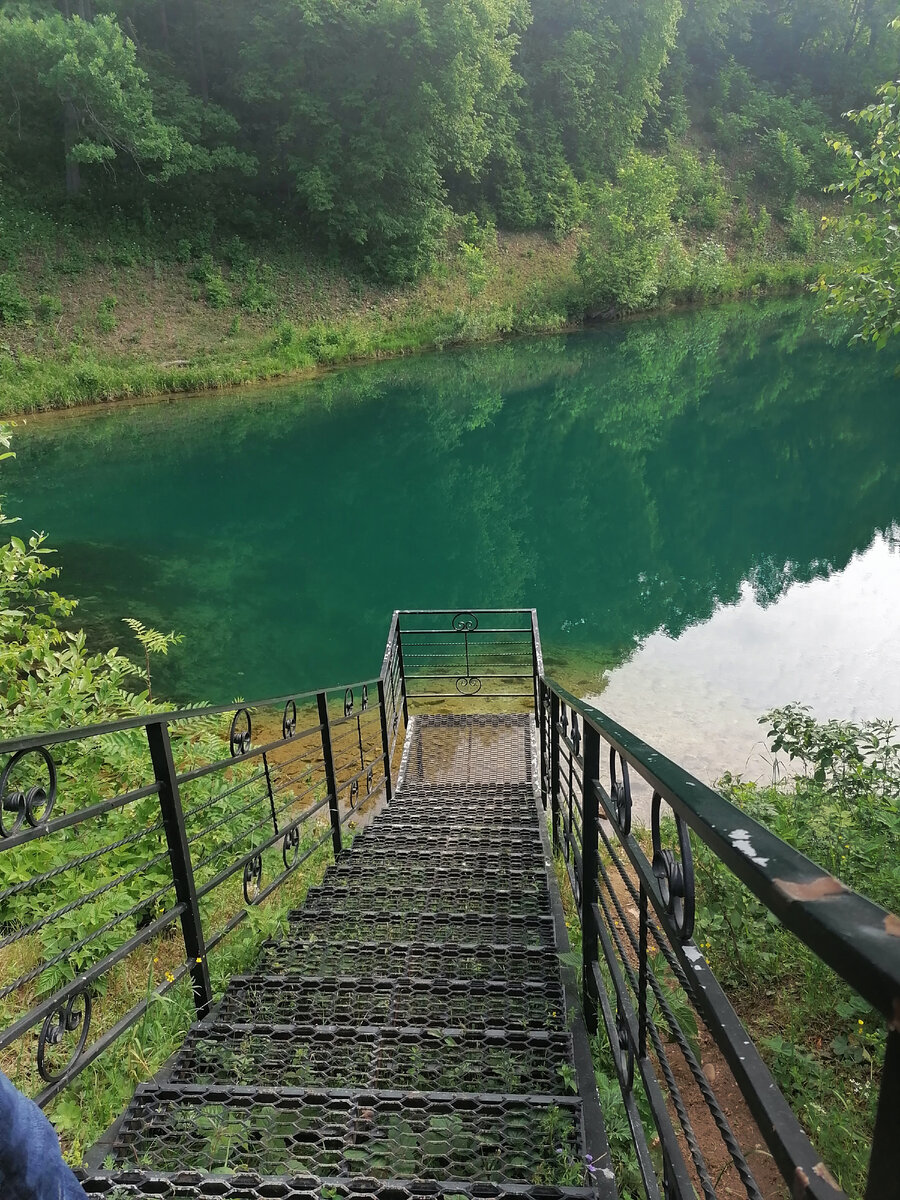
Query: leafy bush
x,y
474,264
257,293
106,319
49,308
761,228
701,199
14,308
618,261
711,271
781,165
801,230
842,811
783,133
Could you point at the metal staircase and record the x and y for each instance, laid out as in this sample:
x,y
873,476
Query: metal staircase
x,y
418,1028
411,1024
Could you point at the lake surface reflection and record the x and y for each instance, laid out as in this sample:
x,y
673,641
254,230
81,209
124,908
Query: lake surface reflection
x,y
702,507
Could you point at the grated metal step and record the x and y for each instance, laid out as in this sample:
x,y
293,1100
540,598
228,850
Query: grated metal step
x,y
408,1058
407,1035
486,1003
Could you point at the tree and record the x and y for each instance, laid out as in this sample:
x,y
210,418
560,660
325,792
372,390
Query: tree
x,y
869,293
618,261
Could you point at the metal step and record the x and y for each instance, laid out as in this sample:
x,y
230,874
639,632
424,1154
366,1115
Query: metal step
x,y
491,1002
411,1058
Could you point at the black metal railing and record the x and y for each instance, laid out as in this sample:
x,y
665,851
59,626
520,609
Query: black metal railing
x,y
114,837
470,656
639,958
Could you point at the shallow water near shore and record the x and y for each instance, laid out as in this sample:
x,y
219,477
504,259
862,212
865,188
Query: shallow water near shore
x,y
703,507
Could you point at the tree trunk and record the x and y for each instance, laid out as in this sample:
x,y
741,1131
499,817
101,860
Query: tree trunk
x,y
70,137
198,50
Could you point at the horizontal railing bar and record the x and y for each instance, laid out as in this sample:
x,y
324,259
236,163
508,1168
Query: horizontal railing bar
x,y
16,889
77,817
480,674
438,612
462,632
92,1052
254,752
50,738
231,925
373,707
254,851
856,937
51,1003
464,696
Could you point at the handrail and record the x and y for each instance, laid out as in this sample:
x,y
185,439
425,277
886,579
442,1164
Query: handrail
x,y
857,938
589,795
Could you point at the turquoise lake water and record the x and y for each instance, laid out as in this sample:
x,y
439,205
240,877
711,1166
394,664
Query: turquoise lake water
x,y
640,485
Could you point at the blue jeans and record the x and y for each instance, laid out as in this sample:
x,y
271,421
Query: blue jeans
x,y
31,1164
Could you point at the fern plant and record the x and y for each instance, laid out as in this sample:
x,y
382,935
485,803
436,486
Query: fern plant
x,y
153,642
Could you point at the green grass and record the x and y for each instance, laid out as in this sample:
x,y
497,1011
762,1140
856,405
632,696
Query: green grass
x,y
154,340
101,1092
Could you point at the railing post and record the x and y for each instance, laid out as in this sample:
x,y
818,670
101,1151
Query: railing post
x,y
328,759
180,860
884,1163
385,744
554,768
402,675
590,806
536,676
543,713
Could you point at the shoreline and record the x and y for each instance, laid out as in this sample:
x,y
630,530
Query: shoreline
x,y
293,354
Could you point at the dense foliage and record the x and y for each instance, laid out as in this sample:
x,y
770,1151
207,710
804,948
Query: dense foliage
x,y
870,294
825,1045
368,124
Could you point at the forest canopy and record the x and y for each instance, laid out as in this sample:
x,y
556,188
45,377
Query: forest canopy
x,y
368,123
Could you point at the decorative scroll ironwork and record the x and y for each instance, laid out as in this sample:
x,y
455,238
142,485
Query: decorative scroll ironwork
x,y
289,720
468,685
240,738
364,703
33,805
464,622
253,878
354,792
620,791
624,1051
348,702
576,735
72,1015
675,876
290,848
369,780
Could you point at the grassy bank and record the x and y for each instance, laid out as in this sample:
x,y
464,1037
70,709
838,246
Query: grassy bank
x,y
122,323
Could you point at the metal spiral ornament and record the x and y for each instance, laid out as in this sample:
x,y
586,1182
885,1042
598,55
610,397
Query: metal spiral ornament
x,y
348,702
624,1051
290,848
675,874
620,791
369,779
72,1015
354,792
241,733
289,720
364,702
468,685
576,735
32,806
464,622
253,870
